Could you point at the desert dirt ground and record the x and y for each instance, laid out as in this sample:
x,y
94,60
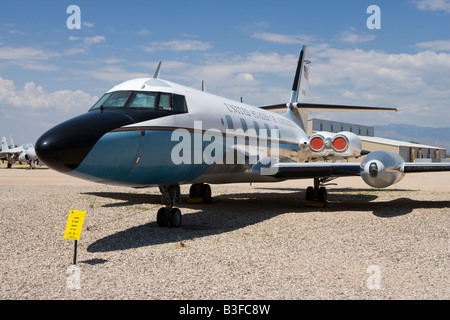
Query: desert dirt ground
x,y
254,241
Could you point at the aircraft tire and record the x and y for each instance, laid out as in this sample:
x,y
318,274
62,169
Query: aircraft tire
x,y
322,195
310,194
162,217
206,192
175,218
195,190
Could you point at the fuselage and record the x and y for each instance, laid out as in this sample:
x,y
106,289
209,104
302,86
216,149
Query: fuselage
x,y
147,132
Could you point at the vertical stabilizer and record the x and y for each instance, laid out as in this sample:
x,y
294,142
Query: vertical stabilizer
x,y
300,88
4,145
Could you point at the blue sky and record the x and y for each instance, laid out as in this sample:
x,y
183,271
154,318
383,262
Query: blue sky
x,y
245,48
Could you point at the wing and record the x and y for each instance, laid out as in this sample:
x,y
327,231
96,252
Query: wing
x,y
379,169
426,167
298,170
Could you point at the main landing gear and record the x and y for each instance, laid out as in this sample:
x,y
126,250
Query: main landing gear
x,y
317,195
170,217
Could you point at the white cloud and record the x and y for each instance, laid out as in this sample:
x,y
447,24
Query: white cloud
x,y
144,32
353,36
88,24
438,45
433,5
94,40
26,53
282,38
110,73
178,45
35,97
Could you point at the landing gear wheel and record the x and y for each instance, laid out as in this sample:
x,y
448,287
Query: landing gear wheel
x,y
162,217
310,194
168,218
206,192
195,190
322,195
200,190
175,218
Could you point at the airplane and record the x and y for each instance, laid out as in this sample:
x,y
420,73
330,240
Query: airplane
x,y
24,153
150,132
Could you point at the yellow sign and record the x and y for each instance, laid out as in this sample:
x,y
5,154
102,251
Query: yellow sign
x,y
74,225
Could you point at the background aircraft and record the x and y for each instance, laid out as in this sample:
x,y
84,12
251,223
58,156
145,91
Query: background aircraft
x,y
24,153
151,132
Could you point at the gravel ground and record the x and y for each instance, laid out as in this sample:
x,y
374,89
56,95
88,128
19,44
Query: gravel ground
x,y
254,242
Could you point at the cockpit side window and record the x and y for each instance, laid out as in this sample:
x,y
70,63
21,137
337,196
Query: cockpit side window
x,y
143,100
164,101
179,104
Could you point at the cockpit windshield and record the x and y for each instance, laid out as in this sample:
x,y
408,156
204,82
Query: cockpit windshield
x,y
174,103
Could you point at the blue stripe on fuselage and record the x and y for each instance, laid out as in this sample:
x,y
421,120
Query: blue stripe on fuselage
x,y
132,159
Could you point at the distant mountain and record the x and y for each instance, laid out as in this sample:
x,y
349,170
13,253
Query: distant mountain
x,y
436,137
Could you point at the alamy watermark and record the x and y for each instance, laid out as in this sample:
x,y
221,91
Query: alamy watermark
x,y
234,146
74,20
374,280
73,281
374,21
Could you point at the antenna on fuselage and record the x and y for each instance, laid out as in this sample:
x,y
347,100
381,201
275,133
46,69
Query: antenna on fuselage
x,y
203,85
156,75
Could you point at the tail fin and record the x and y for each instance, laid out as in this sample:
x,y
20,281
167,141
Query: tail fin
x,y
5,147
300,87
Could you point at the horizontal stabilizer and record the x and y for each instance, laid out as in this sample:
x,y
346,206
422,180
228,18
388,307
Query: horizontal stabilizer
x,y
315,107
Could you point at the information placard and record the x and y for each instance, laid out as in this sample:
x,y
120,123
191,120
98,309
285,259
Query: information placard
x,y
74,225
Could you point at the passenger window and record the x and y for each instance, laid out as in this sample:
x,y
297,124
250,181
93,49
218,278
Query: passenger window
x,y
244,125
164,101
278,131
267,129
256,125
229,122
143,100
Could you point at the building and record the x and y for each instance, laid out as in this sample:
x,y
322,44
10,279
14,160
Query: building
x,y
410,152
315,125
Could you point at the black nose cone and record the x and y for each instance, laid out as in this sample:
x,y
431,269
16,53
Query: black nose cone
x,y
65,146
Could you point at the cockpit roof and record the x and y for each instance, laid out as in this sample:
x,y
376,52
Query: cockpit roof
x,y
145,84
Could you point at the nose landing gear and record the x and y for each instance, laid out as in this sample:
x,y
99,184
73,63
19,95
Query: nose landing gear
x,y
168,216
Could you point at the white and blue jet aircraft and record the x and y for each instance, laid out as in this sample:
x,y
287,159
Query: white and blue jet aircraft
x,y
151,132
24,153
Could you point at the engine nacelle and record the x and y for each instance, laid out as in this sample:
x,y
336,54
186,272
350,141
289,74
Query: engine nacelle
x,y
23,157
380,169
342,144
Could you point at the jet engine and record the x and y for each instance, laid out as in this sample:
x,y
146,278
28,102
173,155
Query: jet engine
x,y
28,155
342,144
23,157
380,169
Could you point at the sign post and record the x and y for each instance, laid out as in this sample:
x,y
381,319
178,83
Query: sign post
x,y
73,229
